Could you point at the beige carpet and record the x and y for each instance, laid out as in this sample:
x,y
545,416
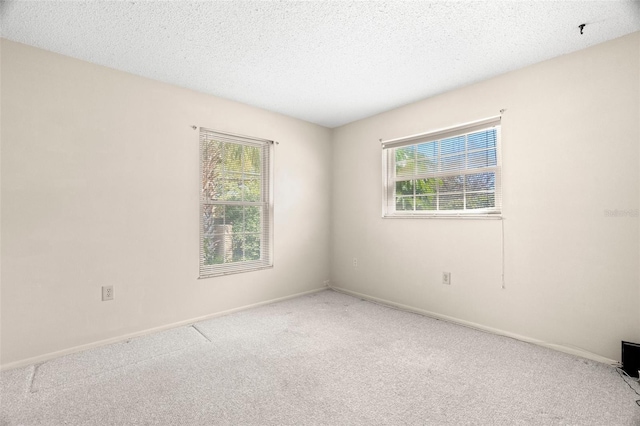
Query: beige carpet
x,y
325,358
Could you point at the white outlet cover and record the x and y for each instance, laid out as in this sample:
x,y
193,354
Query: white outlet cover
x,y
446,278
107,293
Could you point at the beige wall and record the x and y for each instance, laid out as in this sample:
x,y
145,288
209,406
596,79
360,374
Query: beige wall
x,y
570,151
100,186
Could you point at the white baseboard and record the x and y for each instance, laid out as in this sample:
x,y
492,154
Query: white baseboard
x,y
51,355
566,349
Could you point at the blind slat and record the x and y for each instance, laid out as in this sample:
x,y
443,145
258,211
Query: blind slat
x,y
440,134
453,172
236,206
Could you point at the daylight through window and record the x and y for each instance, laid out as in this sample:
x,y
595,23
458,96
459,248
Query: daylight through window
x,y
449,172
235,203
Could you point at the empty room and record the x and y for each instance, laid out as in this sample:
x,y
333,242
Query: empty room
x,y
320,212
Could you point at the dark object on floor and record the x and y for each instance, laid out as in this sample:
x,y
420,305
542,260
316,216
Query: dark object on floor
x,y
631,358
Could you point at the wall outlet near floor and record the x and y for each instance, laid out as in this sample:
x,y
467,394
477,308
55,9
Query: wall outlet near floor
x,y
326,283
107,293
355,262
446,278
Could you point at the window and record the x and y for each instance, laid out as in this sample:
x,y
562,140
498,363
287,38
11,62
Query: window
x,y
450,172
236,209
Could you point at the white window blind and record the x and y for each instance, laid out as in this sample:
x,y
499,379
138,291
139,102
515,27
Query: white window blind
x,y
236,209
448,172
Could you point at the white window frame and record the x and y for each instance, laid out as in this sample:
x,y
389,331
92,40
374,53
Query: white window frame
x,y
265,203
389,177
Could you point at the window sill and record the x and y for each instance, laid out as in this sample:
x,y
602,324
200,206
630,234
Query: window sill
x,y
257,266
492,216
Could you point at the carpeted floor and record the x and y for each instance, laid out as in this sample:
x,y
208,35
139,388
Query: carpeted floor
x,y
325,358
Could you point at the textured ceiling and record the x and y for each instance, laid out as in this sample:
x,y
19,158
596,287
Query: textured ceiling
x,y
328,62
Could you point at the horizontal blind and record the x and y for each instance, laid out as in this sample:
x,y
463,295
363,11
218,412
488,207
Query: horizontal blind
x,y
236,209
448,172
445,133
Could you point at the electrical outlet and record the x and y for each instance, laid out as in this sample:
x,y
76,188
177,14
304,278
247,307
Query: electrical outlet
x,y
326,283
107,293
355,262
446,278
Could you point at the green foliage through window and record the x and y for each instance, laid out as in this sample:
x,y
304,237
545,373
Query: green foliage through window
x,y
234,202
459,173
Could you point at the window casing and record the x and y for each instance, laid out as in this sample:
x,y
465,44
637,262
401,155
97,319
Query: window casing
x,y
236,206
454,172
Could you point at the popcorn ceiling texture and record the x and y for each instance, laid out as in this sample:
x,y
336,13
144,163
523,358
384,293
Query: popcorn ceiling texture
x,y
325,62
